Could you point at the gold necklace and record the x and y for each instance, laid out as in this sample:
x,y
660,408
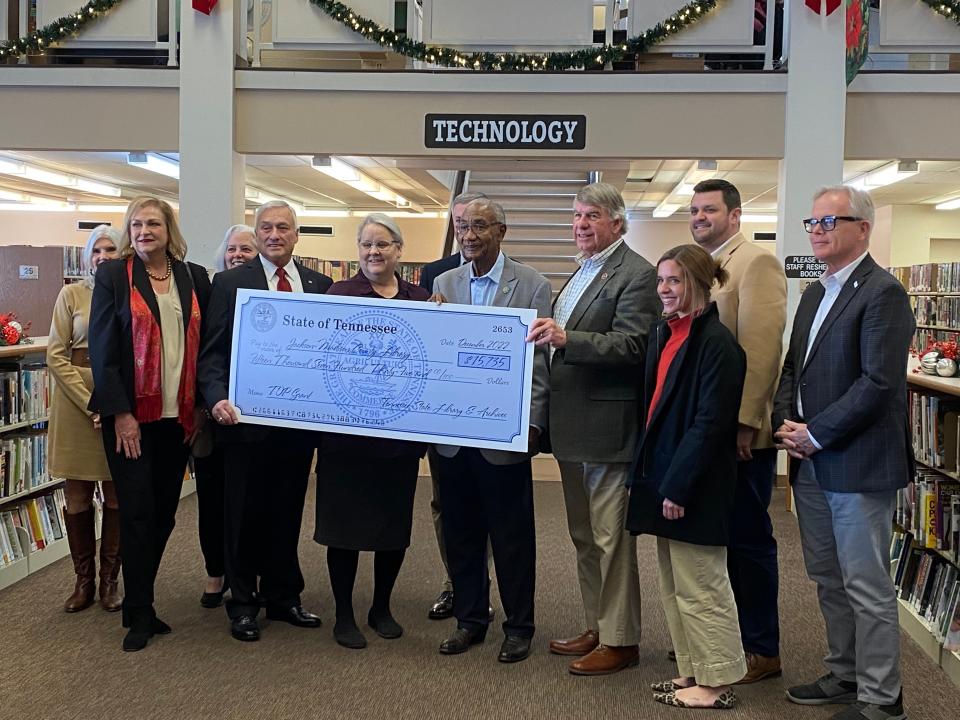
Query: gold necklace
x,y
156,277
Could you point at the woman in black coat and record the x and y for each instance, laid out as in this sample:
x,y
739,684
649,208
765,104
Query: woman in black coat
x,y
145,325
684,475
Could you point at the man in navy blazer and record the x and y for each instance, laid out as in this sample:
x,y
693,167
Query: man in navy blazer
x,y
840,412
266,467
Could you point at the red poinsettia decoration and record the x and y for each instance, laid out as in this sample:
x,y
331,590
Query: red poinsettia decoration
x,y
949,350
11,331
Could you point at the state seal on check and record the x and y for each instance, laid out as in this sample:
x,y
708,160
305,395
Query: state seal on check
x,y
381,369
263,317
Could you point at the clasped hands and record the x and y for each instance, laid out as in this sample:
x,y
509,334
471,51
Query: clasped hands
x,y
127,430
794,438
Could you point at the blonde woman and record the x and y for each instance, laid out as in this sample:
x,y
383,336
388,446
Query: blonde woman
x,y
144,341
75,447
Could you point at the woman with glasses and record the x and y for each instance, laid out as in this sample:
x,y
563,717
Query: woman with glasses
x,y
365,485
76,450
684,476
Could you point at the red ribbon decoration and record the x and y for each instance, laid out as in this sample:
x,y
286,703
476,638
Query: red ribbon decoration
x,y
206,6
815,5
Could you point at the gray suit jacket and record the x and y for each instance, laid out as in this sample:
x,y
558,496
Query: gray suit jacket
x,y
520,287
597,379
853,383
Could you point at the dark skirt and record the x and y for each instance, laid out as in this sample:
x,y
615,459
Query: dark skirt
x,y
365,504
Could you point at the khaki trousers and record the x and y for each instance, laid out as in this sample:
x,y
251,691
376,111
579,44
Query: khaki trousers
x,y
596,501
701,612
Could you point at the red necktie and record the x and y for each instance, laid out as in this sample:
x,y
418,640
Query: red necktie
x,y
283,285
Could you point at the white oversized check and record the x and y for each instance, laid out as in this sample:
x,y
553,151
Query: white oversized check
x,y
451,374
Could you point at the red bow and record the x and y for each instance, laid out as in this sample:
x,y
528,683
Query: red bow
x,y
206,6
815,5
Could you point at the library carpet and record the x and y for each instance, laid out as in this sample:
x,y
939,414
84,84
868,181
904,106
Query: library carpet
x,y
55,666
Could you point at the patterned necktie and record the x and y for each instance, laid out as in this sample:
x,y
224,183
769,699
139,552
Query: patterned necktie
x,y
283,285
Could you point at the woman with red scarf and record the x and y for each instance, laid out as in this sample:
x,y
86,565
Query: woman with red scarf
x,y
145,323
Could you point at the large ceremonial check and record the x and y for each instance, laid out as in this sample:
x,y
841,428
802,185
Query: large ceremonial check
x,y
450,374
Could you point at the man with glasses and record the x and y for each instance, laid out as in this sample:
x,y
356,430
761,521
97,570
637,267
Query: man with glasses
x,y
753,306
489,493
598,339
841,414
443,606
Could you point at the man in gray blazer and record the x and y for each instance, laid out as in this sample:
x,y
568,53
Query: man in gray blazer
x,y
597,339
487,492
841,414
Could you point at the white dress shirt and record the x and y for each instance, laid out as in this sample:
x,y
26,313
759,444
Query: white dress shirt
x,y
270,270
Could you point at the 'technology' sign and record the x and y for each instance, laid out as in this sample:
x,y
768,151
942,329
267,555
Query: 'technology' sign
x,y
506,132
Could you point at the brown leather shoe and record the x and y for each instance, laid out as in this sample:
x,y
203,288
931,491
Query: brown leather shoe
x,y
606,659
580,645
760,667
110,597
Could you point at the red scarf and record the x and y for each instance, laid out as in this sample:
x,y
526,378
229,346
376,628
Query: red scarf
x,y
147,344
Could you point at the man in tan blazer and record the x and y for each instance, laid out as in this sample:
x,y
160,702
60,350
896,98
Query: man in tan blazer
x,y
753,306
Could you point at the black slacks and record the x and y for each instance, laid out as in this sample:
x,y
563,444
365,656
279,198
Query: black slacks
x,y
265,486
148,492
210,509
482,500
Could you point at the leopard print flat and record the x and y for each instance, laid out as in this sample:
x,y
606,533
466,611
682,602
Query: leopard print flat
x,y
666,686
726,701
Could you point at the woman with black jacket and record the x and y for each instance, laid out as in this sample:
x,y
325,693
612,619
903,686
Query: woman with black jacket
x,y
145,326
684,475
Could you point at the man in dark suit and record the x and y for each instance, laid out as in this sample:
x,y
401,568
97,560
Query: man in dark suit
x,y
841,414
266,467
443,606
597,339
489,493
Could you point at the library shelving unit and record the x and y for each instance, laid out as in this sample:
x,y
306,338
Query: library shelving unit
x,y
345,269
920,629
38,483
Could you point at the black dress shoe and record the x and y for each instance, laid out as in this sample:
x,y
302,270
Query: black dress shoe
x,y
136,640
348,635
514,649
245,628
384,625
159,627
461,640
295,615
443,607
213,599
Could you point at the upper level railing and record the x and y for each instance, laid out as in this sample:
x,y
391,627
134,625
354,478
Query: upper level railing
x,y
313,34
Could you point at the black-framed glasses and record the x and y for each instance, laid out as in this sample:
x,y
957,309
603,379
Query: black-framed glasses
x,y
827,222
478,226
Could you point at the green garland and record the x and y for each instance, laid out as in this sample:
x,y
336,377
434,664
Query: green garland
x,y
451,57
948,8
60,29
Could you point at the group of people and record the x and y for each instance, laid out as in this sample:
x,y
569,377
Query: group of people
x,y
658,389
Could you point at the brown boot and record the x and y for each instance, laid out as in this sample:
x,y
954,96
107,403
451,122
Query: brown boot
x,y
110,599
83,548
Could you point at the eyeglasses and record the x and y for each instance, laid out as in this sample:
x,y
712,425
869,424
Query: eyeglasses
x,y
827,222
478,226
382,246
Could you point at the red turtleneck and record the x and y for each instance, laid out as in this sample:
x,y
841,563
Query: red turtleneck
x,y
679,332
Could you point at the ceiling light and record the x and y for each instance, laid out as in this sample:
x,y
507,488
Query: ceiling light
x,y
676,198
349,175
120,209
953,204
665,209
251,193
335,168
49,177
885,175
758,218
154,163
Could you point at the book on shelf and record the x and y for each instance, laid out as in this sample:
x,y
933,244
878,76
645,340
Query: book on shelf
x,y
71,261
929,508
42,518
23,462
929,277
926,582
24,393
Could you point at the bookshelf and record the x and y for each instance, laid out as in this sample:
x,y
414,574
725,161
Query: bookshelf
x,y
934,290
926,556
344,269
30,501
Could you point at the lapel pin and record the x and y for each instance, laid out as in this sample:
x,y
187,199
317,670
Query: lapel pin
x,y
604,276
856,284
505,290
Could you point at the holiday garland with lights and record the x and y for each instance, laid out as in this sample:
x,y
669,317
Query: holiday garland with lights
x,y
61,29
483,60
948,8
71,25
